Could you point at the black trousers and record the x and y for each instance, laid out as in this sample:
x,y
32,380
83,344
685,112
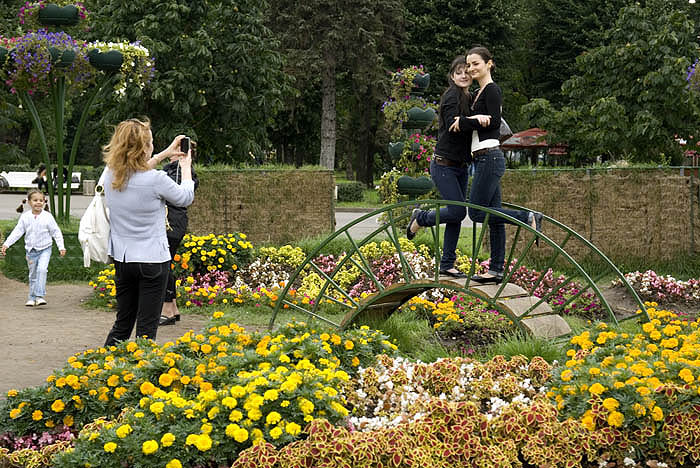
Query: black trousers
x,y
170,293
140,290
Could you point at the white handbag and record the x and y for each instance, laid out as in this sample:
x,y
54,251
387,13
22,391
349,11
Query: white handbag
x,y
93,233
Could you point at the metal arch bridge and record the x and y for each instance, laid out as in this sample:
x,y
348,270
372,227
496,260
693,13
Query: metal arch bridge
x,y
532,314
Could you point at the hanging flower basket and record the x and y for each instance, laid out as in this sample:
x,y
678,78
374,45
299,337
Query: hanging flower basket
x,y
420,83
407,185
419,118
61,58
109,61
395,149
54,15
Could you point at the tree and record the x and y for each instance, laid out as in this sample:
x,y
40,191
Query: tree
x,y
630,96
560,31
218,71
323,38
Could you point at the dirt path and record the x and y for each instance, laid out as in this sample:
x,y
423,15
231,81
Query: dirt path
x,y
36,340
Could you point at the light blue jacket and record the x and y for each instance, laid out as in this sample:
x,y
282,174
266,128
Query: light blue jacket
x,y
137,215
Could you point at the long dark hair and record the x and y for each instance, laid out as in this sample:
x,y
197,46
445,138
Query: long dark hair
x,y
484,53
464,98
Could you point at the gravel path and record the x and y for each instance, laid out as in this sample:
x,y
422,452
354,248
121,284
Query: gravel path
x,y
36,340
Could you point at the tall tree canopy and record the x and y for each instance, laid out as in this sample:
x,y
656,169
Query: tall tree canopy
x,y
629,97
325,38
219,72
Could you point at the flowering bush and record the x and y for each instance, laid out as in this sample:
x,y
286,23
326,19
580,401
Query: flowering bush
x,y
634,390
104,287
30,66
200,399
653,287
395,109
415,160
138,67
204,254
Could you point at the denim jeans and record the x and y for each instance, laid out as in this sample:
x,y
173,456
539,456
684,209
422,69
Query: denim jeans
x,y
486,191
451,182
38,263
140,291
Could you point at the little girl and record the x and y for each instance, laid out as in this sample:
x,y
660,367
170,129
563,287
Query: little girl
x,y
38,227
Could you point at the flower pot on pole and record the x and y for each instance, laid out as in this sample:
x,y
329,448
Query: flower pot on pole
x,y
110,61
61,58
407,185
54,15
419,118
420,83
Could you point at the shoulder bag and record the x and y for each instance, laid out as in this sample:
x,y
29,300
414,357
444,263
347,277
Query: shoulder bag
x,y
93,233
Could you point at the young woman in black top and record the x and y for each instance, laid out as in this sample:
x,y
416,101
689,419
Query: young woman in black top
x,y
489,162
449,166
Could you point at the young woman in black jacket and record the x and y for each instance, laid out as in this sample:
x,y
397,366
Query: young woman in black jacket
x,y
489,163
449,166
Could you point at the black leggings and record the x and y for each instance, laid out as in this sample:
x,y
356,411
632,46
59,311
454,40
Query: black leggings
x,y
170,292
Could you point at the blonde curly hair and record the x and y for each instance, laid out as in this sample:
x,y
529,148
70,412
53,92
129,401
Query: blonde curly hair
x,y
126,151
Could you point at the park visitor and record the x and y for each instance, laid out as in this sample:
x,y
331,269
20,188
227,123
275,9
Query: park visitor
x,y
449,166
176,227
38,227
136,195
489,162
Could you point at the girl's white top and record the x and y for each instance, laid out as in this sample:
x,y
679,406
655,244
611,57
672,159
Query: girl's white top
x,y
37,230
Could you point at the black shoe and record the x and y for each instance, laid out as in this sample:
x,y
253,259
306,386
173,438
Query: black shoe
x,y
538,225
177,317
165,320
487,279
410,234
453,274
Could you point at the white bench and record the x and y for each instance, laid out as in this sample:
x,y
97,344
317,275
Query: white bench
x,y
25,180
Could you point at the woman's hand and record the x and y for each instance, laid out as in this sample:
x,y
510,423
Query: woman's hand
x,y
484,120
172,151
455,125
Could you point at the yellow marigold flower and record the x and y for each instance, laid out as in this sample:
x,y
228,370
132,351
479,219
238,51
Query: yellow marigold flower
x,y
147,388
355,361
594,371
58,406
567,375
157,407
639,410
273,417
615,419
174,463
123,431
686,375
165,380
349,345
149,447
68,420
335,339
596,389
167,440
657,414
240,435
292,428
275,433
110,447
12,393
588,422
611,404
37,415
203,443
113,380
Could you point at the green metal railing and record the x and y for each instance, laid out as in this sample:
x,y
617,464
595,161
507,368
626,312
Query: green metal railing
x,y
396,217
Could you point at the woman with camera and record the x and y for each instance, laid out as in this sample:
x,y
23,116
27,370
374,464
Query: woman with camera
x,y
136,195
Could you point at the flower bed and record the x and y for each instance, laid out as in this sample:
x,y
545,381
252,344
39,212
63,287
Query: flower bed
x,y
659,288
198,400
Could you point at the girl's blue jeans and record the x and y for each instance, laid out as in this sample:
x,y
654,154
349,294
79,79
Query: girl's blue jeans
x,y
451,182
486,191
38,263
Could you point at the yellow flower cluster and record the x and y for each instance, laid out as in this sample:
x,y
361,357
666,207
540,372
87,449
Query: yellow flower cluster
x,y
631,380
208,253
104,287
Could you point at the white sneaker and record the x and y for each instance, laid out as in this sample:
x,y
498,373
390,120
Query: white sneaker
x,y
40,301
30,303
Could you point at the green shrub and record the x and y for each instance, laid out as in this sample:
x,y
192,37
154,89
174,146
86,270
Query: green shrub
x,y
350,191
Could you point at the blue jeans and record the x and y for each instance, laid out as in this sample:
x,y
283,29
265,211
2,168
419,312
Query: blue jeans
x,y
486,191
38,263
451,182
